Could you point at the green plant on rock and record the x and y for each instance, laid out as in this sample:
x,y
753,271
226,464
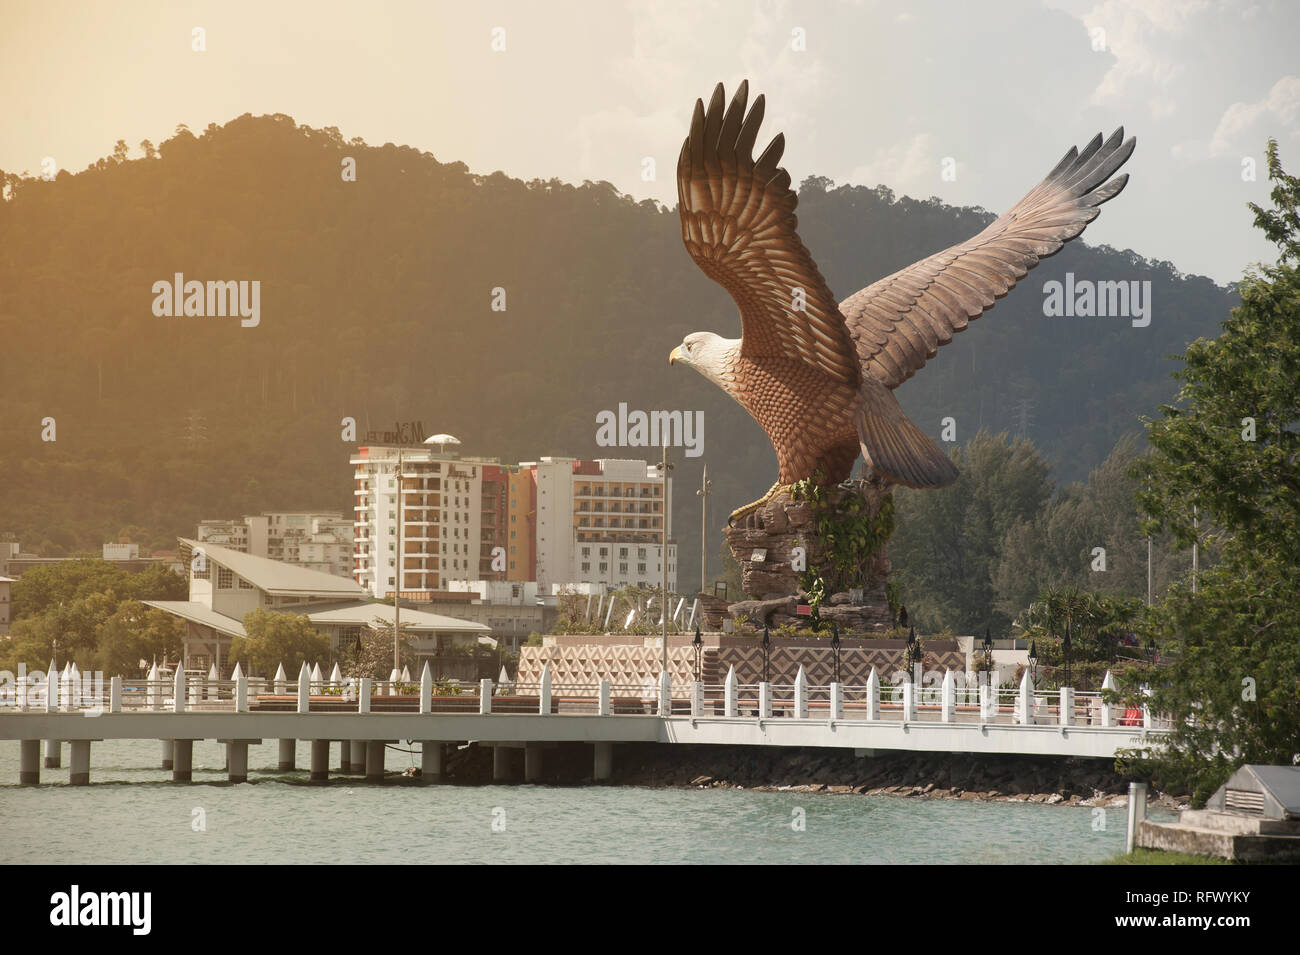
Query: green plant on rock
x,y
850,534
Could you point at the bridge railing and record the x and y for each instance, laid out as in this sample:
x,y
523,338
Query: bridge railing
x,y
877,700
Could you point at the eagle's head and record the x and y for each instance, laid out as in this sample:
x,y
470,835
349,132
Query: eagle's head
x,y
712,356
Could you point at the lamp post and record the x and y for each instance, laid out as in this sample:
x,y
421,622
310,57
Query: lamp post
x,y
1065,650
913,654
706,488
988,649
835,648
698,644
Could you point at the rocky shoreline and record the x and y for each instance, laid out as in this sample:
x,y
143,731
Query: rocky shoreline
x,y
995,778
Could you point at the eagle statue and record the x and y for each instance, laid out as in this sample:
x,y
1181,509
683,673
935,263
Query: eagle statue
x,y
819,377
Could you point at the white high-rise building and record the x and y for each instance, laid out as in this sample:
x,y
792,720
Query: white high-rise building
x,y
606,522
442,520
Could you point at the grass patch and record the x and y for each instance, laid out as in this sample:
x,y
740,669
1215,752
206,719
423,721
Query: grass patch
x,y
1156,857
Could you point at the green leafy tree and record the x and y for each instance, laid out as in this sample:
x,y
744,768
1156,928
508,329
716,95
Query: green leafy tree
x,y
134,633
275,638
949,542
1227,453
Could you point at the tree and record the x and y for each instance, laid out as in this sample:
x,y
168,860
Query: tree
x,y
137,632
373,653
275,638
949,542
1227,453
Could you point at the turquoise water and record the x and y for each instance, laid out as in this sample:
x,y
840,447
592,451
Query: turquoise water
x,y
132,813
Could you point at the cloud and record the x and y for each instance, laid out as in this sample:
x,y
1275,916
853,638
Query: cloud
x,y
910,167
1238,128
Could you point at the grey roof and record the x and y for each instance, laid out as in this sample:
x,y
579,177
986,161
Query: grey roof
x,y
361,613
1283,783
202,614
276,577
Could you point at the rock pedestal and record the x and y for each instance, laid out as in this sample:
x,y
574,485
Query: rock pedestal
x,y
764,544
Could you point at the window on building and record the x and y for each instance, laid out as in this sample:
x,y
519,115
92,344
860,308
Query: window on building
x,y
622,568
622,552
225,579
604,568
586,567
244,584
640,568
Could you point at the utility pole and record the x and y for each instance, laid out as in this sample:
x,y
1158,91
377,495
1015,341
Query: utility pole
x,y
397,590
703,494
1196,544
1150,578
664,468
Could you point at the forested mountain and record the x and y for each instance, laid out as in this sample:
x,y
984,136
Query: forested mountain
x,y
376,303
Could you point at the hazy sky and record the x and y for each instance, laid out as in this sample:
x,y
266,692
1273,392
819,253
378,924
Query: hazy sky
x,y
882,92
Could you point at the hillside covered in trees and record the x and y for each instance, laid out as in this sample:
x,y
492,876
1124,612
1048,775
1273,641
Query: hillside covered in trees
x,y
376,303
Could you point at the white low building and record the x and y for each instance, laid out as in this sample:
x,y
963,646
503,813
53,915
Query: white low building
x,y
226,584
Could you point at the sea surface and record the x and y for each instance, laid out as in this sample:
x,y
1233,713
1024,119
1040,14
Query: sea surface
x,y
133,813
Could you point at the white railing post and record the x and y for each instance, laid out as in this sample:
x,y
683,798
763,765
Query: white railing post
x,y
115,695
1067,706
1148,721
336,676
241,689
873,695
363,696
155,691
765,701
837,701
602,699
988,699
909,701
665,693
801,695
1108,709
697,698
281,680
730,706
51,689
304,690
178,691
485,696
426,689
948,697
209,687
544,692
1025,701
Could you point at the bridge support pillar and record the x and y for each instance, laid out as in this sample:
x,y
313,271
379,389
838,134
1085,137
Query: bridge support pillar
x,y
79,774
345,757
431,761
320,760
375,750
167,746
604,767
182,760
357,748
501,764
53,754
29,769
532,762
237,760
288,755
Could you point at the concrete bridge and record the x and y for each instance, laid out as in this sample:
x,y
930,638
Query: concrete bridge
x,y
868,719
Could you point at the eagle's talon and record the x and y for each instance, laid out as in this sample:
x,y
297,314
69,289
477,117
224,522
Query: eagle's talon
x,y
751,508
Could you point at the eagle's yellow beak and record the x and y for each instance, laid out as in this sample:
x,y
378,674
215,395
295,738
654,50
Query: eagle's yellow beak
x,y
676,355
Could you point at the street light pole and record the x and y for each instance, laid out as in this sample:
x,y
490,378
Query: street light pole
x,y
397,590
664,468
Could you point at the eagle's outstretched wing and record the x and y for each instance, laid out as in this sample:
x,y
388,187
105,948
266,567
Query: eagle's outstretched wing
x,y
738,225
899,322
